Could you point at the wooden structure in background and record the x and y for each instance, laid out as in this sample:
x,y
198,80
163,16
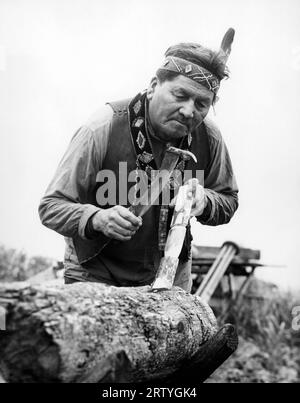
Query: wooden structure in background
x,y
234,279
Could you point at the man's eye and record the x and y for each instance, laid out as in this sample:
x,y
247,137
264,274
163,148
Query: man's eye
x,y
180,96
200,105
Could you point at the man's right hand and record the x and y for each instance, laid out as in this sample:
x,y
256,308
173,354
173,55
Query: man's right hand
x,y
117,223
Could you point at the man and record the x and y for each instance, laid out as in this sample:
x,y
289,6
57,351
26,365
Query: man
x,y
137,131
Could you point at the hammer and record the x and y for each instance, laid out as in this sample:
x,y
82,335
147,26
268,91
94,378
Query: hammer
x,y
168,165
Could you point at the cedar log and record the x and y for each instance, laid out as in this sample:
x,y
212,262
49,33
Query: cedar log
x,y
89,332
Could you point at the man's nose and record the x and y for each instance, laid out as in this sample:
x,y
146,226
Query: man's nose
x,y
188,109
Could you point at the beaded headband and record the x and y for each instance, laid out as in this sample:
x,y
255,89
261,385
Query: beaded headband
x,y
192,71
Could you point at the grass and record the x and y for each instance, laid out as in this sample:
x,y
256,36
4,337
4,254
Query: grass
x,y
269,349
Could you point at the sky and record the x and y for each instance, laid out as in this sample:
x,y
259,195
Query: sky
x,y
62,59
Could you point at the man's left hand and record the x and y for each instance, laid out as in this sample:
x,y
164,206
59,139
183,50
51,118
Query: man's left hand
x,y
199,197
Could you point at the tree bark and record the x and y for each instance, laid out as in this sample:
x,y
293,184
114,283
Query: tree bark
x,y
208,358
89,332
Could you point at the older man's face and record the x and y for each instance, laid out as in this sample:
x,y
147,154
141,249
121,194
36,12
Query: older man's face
x,y
177,107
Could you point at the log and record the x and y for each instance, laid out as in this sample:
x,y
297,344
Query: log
x,y
208,357
89,332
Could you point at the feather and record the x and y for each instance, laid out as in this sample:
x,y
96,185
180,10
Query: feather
x,y
227,42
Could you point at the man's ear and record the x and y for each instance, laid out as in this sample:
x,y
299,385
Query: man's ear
x,y
152,86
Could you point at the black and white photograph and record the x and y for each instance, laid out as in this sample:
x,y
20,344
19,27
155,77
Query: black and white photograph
x,y
150,194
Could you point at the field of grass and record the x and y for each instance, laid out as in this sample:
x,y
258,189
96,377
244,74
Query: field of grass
x,y
269,348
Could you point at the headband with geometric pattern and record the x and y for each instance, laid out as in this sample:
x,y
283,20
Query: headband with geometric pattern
x,y
192,71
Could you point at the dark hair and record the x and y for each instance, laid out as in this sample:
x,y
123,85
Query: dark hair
x,y
166,75
213,61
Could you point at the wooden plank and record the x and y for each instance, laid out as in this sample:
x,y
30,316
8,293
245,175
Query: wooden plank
x,y
236,261
237,270
216,271
211,252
